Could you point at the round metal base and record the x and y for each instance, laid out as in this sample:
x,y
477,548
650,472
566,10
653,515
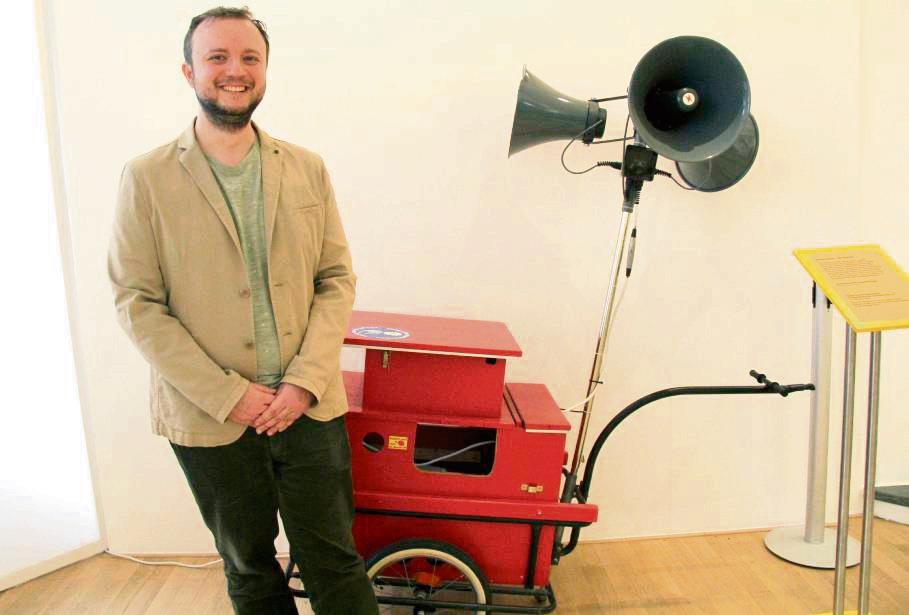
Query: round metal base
x,y
789,544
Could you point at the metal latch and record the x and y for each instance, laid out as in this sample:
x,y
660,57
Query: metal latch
x,y
530,488
385,357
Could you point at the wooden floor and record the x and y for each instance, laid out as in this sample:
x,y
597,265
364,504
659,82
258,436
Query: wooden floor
x,y
721,574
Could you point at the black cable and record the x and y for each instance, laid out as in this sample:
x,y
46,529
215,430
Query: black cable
x,y
625,138
617,165
599,100
573,139
614,165
669,175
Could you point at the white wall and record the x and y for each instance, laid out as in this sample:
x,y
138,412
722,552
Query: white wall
x,y
48,516
884,215
411,105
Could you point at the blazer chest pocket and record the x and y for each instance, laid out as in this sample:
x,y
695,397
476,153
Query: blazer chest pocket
x,y
306,229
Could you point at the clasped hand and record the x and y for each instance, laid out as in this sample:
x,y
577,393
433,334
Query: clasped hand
x,y
270,411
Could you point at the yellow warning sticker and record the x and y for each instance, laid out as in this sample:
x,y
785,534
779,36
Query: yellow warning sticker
x,y
397,443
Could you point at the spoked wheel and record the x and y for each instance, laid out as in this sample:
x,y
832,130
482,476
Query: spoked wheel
x,y
429,572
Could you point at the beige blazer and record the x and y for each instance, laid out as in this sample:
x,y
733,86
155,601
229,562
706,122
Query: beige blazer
x,y
182,293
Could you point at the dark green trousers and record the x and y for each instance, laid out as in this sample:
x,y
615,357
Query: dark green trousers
x,y
303,472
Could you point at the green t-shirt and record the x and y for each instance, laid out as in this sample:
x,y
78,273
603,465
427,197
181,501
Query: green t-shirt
x,y
242,189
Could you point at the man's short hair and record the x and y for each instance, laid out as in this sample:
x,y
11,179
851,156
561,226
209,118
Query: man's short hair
x,y
220,12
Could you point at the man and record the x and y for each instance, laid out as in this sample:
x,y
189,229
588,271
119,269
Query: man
x,y
232,276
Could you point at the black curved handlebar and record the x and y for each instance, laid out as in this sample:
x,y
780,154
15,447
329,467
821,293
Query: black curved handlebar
x,y
776,387
582,491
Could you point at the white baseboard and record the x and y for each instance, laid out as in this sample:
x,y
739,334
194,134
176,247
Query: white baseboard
x,y
891,512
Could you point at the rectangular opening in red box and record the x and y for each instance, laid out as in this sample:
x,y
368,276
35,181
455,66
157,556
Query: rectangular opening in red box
x,y
461,450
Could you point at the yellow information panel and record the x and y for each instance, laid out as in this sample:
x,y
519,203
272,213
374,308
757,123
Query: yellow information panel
x,y
868,287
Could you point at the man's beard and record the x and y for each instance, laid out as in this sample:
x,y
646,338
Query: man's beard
x,y
226,119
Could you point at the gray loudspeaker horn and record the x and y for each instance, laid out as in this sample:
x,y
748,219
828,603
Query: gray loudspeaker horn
x,y
689,98
543,114
725,170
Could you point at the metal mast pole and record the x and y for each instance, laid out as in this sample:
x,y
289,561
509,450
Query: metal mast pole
x,y
627,209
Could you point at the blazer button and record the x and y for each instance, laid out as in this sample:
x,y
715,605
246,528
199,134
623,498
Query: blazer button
x,y
250,345
244,293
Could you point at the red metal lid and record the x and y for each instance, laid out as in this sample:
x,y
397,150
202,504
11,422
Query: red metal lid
x,y
431,334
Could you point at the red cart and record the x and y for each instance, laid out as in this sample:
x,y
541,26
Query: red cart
x,y
458,475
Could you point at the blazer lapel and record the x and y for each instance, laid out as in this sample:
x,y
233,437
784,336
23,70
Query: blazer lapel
x,y
272,167
193,160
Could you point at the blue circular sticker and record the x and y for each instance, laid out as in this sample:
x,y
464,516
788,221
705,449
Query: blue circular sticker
x,y
381,333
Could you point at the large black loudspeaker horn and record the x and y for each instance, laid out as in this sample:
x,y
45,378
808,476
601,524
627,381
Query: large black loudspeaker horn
x,y
544,114
689,99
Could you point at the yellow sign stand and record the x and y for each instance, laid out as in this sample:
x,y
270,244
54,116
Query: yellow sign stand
x,y
863,282
872,293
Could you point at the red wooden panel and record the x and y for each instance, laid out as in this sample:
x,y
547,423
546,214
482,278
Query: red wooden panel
x,y
521,460
353,383
536,407
432,383
435,334
487,507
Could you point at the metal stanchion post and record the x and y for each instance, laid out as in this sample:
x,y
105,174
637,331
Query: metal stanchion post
x,y
814,544
820,420
874,385
842,529
881,304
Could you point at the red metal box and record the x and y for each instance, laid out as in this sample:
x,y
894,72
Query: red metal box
x,y
517,455
432,365
484,500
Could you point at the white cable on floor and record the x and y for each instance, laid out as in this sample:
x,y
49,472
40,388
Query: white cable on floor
x,y
180,564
